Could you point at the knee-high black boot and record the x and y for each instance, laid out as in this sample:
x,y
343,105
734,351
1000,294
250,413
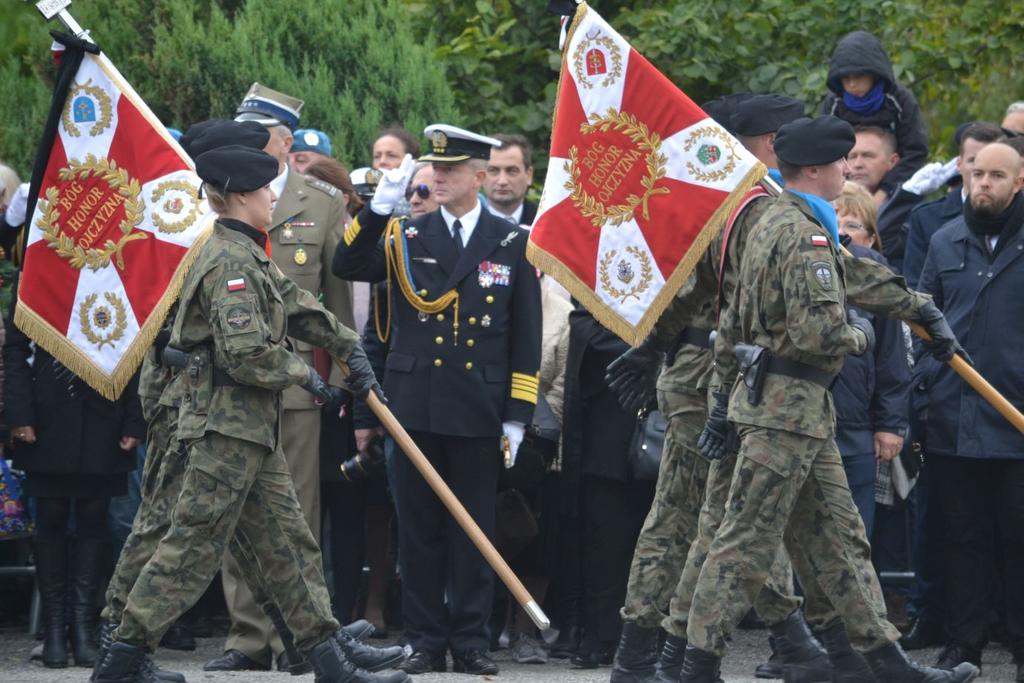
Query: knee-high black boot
x,y
51,575
85,585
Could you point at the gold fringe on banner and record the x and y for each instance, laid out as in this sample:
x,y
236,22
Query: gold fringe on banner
x,y
605,314
77,361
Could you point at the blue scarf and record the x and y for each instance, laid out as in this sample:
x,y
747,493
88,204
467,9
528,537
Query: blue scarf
x,y
824,212
776,175
868,104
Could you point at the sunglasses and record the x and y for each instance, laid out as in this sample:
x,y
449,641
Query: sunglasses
x,y
422,191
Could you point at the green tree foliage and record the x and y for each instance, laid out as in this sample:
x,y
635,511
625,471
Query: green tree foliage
x,y
356,63
962,60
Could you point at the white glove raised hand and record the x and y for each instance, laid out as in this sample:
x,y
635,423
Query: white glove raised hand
x,y
392,186
514,433
930,177
15,215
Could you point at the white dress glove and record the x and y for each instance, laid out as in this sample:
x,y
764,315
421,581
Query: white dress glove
x,y
15,215
514,433
931,177
391,188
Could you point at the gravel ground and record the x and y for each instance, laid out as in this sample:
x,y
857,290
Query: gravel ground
x,y
749,649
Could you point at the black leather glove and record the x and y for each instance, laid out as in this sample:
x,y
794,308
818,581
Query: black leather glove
x,y
861,323
316,385
943,344
634,374
361,379
718,436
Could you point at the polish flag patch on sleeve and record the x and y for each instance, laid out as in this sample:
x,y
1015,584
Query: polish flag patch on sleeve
x,y
236,285
816,240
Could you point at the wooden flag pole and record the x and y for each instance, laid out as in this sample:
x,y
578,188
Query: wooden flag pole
x,y
434,480
959,365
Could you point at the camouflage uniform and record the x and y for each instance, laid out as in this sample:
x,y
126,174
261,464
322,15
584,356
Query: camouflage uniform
x,y
671,524
235,309
161,390
161,480
788,484
777,599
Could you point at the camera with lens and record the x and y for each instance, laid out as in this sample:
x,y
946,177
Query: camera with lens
x,y
367,465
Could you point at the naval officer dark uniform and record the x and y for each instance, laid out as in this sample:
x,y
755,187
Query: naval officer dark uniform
x,y
463,360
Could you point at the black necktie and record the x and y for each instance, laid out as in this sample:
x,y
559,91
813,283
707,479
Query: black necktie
x,y
457,236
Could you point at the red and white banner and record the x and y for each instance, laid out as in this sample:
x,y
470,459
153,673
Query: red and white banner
x,y
116,223
640,180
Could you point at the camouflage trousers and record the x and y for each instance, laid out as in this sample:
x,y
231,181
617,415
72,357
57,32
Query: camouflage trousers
x,y
238,496
774,602
789,488
671,523
162,478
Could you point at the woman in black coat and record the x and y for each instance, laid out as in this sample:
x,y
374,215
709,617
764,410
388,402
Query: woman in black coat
x,y
75,447
598,485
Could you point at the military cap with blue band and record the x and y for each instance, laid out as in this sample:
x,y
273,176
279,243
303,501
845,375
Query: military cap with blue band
x,y
814,142
311,140
269,107
235,168
452,144
762,114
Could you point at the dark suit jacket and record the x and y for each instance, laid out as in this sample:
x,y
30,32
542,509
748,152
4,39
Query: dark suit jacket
x,y
925,221
529,212
437,382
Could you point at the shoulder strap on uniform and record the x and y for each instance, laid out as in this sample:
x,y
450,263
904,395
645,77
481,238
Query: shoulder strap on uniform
x,y
755,193
326,188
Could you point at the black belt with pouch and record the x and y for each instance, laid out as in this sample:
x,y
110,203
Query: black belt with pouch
x,y
756,362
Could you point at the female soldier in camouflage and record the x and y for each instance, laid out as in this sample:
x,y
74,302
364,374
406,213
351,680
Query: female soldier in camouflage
x,y
235,310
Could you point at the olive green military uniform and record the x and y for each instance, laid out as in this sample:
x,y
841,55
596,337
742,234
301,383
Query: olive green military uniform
x,y
788,484
308,222
235,308
777,599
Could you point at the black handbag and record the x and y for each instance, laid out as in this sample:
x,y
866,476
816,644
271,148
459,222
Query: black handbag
x,y
646,445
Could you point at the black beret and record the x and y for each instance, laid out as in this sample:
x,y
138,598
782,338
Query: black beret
x,y
763,114
236,168
194,131
223,133
814,142
720,109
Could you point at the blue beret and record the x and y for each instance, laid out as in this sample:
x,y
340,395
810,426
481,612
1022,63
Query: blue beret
x,y
311,140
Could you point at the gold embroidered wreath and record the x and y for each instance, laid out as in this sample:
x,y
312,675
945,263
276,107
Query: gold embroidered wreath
x,y
726,140
613,49
65,246
90,320
179,225
646,275
106,107
645,140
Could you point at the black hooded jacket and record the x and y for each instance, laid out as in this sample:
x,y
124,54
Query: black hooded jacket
x,y
860,52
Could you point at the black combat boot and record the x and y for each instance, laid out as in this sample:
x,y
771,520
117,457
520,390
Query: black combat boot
x,y
700,667
636,655
124,663
773,668
670,661
367,656
848,666
331,666
51,576
150,668
803,658
85,578
891,665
